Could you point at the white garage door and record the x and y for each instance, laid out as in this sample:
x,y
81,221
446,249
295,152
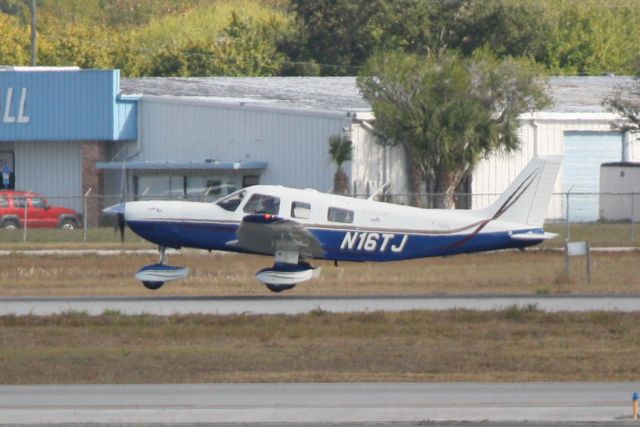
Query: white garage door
x,y
584,152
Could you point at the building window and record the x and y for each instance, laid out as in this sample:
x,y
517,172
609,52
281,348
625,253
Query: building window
x,y
191,187
209,188
262,203
300,210
166,186
340,215
7,174
249,180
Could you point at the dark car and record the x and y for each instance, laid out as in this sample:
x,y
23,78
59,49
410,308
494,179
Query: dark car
x,y
39,214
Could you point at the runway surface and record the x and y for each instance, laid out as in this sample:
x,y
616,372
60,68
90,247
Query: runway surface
x,y
316,403
296,305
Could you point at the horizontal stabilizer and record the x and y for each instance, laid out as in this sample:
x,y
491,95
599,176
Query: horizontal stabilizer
x,y
533,236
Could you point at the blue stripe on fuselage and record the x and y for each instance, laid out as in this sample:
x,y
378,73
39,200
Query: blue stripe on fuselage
x,y
338,244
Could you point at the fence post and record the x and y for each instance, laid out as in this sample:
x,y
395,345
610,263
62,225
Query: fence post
x,y
84,216
588,246
567,229
577,249
633,214
567,267
24,227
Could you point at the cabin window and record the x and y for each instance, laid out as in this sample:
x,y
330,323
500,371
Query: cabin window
x,y
262,203
4,203
232,201
340,215
19,201
38,202
300,210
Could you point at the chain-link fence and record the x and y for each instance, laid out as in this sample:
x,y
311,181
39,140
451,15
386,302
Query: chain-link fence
x,y
606,219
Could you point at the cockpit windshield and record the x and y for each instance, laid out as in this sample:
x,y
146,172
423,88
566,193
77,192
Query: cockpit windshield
x,y
232,201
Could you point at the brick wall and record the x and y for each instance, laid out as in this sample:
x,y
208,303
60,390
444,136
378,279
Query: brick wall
x,y
92,152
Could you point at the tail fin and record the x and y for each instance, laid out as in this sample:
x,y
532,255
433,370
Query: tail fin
x,y
527,198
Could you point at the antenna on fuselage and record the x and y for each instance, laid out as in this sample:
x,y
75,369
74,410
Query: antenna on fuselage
x,y
379,190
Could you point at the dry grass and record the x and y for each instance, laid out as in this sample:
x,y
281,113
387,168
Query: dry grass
x,y
597,234
535,272
511,345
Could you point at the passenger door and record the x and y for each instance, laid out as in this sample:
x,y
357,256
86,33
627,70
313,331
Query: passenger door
x,y
37,215
19,204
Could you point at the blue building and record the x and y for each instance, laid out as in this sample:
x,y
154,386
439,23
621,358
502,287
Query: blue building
x,y
56,123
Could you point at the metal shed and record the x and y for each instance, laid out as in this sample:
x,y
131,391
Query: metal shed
x,y
619,191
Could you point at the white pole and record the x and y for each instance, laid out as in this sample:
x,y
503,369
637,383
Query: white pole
x,y
633,199
84,217
24,229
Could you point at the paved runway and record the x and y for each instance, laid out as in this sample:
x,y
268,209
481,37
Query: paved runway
x,y
316,403
296,305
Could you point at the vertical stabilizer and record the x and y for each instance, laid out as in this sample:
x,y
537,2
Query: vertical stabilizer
x,y
527,198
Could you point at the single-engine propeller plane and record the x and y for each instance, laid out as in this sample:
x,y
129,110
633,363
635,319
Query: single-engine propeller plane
x,y
296,226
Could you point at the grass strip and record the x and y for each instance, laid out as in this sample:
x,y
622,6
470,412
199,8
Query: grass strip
x,y
507,272
516,344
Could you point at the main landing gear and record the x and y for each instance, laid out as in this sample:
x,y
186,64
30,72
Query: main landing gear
x,y
287,271
155,275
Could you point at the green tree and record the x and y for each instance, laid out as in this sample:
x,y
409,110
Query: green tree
x,y
340,151
15,41
341,35
625,101
78,44
449,112
245,47
505,27
348,32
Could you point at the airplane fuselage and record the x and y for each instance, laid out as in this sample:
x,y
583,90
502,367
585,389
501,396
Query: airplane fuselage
x,y
348,229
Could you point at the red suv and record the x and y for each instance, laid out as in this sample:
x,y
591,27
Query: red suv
x,y
38,212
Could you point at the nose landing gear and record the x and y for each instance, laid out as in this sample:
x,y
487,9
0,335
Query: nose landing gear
x,y
155,275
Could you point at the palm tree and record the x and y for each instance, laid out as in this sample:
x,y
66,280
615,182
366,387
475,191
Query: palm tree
x,y
340,151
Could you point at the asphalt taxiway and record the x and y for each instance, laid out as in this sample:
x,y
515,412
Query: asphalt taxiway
x,y
296,305
316,403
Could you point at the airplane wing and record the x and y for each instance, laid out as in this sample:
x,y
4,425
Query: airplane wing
x,y
266,234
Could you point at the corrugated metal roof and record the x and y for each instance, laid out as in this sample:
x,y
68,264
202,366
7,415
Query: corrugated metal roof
x,y
316,93
582,94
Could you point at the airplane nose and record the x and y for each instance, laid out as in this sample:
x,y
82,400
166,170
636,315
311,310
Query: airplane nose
x,y
117,209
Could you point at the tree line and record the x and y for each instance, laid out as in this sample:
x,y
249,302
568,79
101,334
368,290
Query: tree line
x,y
446,79
317,37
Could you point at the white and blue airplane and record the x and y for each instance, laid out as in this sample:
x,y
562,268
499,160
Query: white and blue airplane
x,y
295,226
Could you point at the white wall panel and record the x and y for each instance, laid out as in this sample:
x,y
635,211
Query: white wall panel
x,y
52,168
295,146
493,175
584,153
374,164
